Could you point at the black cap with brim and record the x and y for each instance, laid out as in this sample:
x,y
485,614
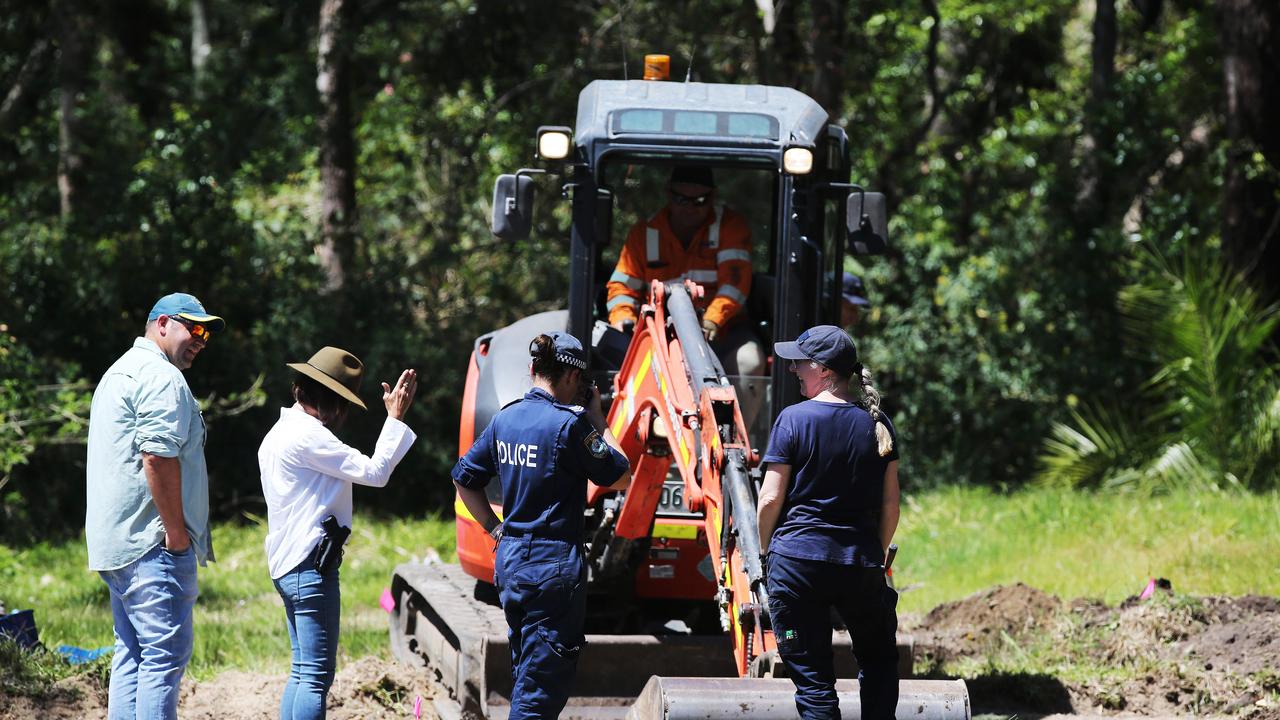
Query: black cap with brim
x,y
789,351
693,175
826,345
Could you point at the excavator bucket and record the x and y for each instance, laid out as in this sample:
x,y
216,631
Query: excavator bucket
x,y
685,698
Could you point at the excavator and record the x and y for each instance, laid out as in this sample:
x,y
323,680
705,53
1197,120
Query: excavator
x,y
678,625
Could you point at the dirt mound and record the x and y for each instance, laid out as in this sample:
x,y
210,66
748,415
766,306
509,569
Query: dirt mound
x,y
367,688
1168,655
974,625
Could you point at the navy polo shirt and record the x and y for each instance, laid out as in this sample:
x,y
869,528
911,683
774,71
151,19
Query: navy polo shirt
x,y
543,452
832,508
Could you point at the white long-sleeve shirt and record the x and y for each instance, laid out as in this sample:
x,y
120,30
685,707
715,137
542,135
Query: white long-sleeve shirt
x,y
307,473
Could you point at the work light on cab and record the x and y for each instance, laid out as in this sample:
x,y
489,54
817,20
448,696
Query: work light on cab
x,y
797,160
554,142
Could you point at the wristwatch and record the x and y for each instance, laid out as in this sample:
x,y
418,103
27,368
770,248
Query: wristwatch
x,y
496,532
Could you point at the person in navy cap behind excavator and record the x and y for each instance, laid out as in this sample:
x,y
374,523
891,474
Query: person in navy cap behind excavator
x,y
543,448
827,512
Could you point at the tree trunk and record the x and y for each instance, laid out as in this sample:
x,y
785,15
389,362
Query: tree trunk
x,y
828,32
73,73
25,83
200,48
1096,147
1250,39
337,147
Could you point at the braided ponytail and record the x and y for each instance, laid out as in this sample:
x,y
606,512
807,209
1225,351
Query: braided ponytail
x,y
884,440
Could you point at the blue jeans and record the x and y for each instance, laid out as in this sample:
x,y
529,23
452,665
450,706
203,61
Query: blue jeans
x,y
312,605
151,603
801,594
542,585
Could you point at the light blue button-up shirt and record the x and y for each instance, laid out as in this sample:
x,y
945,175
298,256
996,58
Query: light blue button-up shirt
x,y
142,405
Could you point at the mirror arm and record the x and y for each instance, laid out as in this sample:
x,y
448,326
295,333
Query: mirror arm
x,y
512,205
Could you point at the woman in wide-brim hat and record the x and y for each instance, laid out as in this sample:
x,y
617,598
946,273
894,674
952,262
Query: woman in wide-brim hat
x,y
307,474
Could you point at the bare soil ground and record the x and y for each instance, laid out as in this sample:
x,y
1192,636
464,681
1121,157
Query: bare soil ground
x,y
1168,656
368,689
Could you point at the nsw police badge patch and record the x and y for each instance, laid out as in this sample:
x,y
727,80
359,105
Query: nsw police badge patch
x,y
596,445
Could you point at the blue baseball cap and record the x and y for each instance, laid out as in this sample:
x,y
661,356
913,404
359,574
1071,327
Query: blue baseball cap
x,y
824,344
568,349
186,306
853,290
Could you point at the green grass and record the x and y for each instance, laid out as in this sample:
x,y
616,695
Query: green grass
x,y
956,541
239,617
953,543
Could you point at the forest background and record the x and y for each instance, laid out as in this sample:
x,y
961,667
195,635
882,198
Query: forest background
x,y
1085,200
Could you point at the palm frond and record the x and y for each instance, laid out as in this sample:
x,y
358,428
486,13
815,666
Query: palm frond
x,y
1088,452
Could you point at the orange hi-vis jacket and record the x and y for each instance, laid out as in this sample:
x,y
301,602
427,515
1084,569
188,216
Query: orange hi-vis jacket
x,y
718,258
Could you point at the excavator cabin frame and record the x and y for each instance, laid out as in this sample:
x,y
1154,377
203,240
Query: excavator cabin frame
x,y
668,580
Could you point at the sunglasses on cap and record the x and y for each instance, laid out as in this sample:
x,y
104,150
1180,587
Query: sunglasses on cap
x,y
199,330
694,200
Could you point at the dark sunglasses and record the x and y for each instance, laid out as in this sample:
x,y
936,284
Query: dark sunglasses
x,y
694,200
199,330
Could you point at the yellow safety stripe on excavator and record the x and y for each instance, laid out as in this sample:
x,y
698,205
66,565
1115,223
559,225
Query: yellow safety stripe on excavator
x,y
678,532
460,508
629,403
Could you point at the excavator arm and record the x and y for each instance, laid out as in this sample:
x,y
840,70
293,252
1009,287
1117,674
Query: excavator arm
x,y
673,401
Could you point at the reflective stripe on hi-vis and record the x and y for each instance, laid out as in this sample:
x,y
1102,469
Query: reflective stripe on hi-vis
x,y
713,235
702,276
732,293
631,282
651,245
621,300
725,256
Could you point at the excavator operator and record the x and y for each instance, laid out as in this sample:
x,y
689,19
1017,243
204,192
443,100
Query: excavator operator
x,y
693,238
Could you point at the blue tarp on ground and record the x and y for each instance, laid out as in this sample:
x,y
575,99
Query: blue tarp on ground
x,y
78,656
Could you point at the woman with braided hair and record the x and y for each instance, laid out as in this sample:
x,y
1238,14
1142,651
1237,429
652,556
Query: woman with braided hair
x,y
828,510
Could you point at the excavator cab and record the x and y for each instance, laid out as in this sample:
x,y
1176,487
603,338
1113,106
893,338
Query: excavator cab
x,y
674,560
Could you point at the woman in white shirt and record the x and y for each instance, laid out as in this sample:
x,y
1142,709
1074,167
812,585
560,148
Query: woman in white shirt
x,y
307,474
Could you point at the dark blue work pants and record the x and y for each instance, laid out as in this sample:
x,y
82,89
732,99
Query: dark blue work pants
x,y
543,587
801,593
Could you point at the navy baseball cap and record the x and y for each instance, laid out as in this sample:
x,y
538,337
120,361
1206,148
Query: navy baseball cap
x,y
568,349
824,344
853,290
186,306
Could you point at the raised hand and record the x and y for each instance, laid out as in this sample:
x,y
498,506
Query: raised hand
x,y
400,398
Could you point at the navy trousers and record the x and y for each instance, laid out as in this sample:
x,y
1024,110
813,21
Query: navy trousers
x,y
801,593
542,584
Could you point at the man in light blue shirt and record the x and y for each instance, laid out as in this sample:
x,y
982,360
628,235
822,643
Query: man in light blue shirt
x,y
147,522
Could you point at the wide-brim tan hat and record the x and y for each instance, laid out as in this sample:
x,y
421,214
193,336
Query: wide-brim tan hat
x,y
336,369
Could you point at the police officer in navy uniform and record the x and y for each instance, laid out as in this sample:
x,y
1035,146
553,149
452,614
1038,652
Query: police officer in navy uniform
x,y
831,491
543,447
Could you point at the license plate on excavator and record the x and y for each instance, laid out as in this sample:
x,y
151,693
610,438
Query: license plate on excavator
x,y
672,500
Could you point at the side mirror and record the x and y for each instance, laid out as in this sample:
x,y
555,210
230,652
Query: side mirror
x,y
867,222
513,206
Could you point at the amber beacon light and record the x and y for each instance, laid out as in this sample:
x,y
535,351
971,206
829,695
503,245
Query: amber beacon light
x,y
657,67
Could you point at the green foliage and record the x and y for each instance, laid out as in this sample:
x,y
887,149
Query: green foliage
x,y
998,302
1208,415
956,541
33,672
239,620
